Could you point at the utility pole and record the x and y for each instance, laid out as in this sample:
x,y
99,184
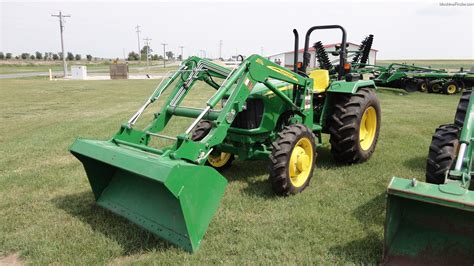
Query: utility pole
x,y
147,43
164,54
138,38
220,49
61,28
181,47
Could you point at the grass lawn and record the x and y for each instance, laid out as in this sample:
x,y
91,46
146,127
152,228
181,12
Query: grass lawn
x,y
48,214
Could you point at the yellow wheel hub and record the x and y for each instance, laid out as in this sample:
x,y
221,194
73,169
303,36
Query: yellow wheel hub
x,y
451,89
368,128
219,160
301,162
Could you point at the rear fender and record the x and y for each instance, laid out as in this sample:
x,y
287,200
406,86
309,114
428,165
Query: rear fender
x,y
340,87
350,86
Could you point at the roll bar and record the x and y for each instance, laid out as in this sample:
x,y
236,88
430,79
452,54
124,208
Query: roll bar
x,y
306,55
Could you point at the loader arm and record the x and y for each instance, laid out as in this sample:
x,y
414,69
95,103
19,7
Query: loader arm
x,y
237,86
168,190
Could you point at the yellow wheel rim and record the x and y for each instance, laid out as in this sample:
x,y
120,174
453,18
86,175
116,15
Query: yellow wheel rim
x,y
368,128
301,161
220,160
451,89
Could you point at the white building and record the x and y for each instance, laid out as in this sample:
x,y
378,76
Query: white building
x,y
286,59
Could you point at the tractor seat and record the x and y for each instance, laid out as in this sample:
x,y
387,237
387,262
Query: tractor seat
x,y
320,80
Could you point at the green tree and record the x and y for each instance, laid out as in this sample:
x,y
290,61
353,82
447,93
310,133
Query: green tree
x,y
180,58
24,56
32,57
2,56
143,52
55,57
8,56
70,56
170,55
78,57
155,57
38,55
132,56
89,57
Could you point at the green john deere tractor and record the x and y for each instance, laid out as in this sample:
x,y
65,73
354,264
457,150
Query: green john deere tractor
x,y
259,110
433,223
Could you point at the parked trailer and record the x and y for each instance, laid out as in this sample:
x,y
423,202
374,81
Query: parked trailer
x,y
448,83
414,78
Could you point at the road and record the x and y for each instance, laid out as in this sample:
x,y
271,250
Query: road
x,y
28,74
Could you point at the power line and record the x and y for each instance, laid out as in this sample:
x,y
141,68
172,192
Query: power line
x,y
61,28
164,54
220,49
138,38
181,47
147,43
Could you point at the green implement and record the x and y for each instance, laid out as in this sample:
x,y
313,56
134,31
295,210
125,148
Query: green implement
x,y
258,110
433,222
163,196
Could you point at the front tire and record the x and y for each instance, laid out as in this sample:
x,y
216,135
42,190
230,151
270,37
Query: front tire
x,y
292,160
354,126
442,152
219,160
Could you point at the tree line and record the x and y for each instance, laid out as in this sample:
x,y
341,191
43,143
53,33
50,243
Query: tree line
x,y
134,56
44,56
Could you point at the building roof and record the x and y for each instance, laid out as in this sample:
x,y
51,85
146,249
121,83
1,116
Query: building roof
x,y
312,49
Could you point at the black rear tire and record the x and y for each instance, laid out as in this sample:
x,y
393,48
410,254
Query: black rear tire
x,y
462,108
280,157
345,125
442,152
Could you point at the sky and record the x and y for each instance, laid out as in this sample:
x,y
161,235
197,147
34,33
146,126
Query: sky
x,y
403,30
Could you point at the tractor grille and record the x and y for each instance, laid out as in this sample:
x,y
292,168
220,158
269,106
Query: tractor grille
x,y
251,117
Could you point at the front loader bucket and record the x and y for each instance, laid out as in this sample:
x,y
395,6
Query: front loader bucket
x,y
173,199
428,224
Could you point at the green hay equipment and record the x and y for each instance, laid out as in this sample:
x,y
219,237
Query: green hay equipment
x,y
403,76
433,223
414,78
259,111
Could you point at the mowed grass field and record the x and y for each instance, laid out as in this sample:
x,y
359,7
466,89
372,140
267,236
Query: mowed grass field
x,y
48,214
